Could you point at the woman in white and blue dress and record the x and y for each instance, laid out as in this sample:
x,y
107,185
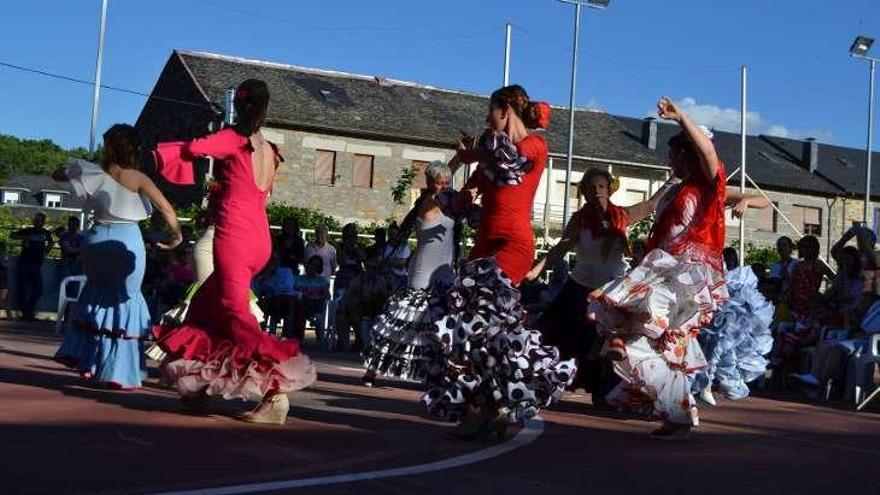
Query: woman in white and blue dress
x,y
738,339
400,335
104,340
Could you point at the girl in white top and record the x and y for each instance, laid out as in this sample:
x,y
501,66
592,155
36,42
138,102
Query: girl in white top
x,y
103,340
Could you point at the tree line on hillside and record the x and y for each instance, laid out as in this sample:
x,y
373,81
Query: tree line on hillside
x,y
33,156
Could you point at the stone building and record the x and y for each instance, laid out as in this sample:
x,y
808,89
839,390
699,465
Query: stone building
x,y
346,139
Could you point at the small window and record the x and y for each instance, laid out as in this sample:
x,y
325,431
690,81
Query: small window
x,y
810,218
325,167
363,171
52,200
419,167
11,197
765,219
558,195
633,197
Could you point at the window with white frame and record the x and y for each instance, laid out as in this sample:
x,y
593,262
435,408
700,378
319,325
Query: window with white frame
x,y
809,217
52,200
11,197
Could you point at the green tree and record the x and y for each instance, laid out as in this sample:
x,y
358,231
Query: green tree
x,y
33,156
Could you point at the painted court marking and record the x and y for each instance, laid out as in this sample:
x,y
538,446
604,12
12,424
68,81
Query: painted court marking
x,y
532,430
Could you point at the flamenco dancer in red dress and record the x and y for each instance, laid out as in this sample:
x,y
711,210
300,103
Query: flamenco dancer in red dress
x,y
219,348
487,369
653,314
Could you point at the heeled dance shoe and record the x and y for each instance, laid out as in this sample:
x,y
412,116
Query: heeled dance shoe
x,y
615,350
271,411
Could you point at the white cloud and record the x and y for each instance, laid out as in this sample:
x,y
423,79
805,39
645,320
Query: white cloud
x,y
728,119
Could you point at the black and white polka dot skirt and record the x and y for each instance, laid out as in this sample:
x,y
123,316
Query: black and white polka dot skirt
x,y
483,355
403,334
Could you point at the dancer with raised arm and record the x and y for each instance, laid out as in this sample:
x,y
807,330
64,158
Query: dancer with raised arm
x,y
219,349
487,369
598,232
401,335
652,315
104,341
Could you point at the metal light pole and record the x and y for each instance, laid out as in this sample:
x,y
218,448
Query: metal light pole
x,y
859,49
507,53
98,64
742,165
578,4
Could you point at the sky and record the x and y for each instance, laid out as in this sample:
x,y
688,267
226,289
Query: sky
x,y
802,82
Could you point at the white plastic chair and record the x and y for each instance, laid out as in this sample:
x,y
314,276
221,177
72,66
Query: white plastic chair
x,y
864,362
64,299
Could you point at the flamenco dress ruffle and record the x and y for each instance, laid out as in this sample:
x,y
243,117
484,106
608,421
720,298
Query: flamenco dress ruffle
x,y
403,334
658,309
738,339
483,355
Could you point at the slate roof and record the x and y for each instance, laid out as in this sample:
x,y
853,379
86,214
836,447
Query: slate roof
x,y
380,108
34,185
844,167
768,166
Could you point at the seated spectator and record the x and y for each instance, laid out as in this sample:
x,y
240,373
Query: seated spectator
x,y
843,300
70,241
311,292
731,258
638,248
289,245
380,242
274,287
396,256
780,271
833,355
181,267
350,257
362,303
320,247
806,279
760,271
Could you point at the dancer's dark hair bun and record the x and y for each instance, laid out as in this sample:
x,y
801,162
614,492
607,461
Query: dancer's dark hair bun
x,y
121,147
251,99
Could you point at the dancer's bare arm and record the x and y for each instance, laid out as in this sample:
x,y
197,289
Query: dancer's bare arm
x,y
640,211
667,109
740,203
149,189
569,238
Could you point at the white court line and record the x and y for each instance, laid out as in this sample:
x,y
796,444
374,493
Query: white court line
x,y
532,430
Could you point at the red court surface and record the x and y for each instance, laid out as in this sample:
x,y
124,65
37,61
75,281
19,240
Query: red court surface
x,y
60,435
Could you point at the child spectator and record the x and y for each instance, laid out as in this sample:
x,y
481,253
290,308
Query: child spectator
x,y
311,292
274,287
363,302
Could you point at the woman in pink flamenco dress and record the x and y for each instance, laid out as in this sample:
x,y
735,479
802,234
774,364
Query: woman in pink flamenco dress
x,y
219,349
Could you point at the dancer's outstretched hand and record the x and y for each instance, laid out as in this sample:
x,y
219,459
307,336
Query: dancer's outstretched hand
x,y
667,109
740,208
176,239
533,274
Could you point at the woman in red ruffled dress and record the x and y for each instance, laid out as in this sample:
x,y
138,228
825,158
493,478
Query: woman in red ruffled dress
x,y
487,369
219,349
652,315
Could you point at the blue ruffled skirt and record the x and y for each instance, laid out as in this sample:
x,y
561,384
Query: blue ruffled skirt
x,y
104,336
738,339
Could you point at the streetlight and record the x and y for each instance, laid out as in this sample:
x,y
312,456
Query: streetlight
x,y
859,49
96,95
578,4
